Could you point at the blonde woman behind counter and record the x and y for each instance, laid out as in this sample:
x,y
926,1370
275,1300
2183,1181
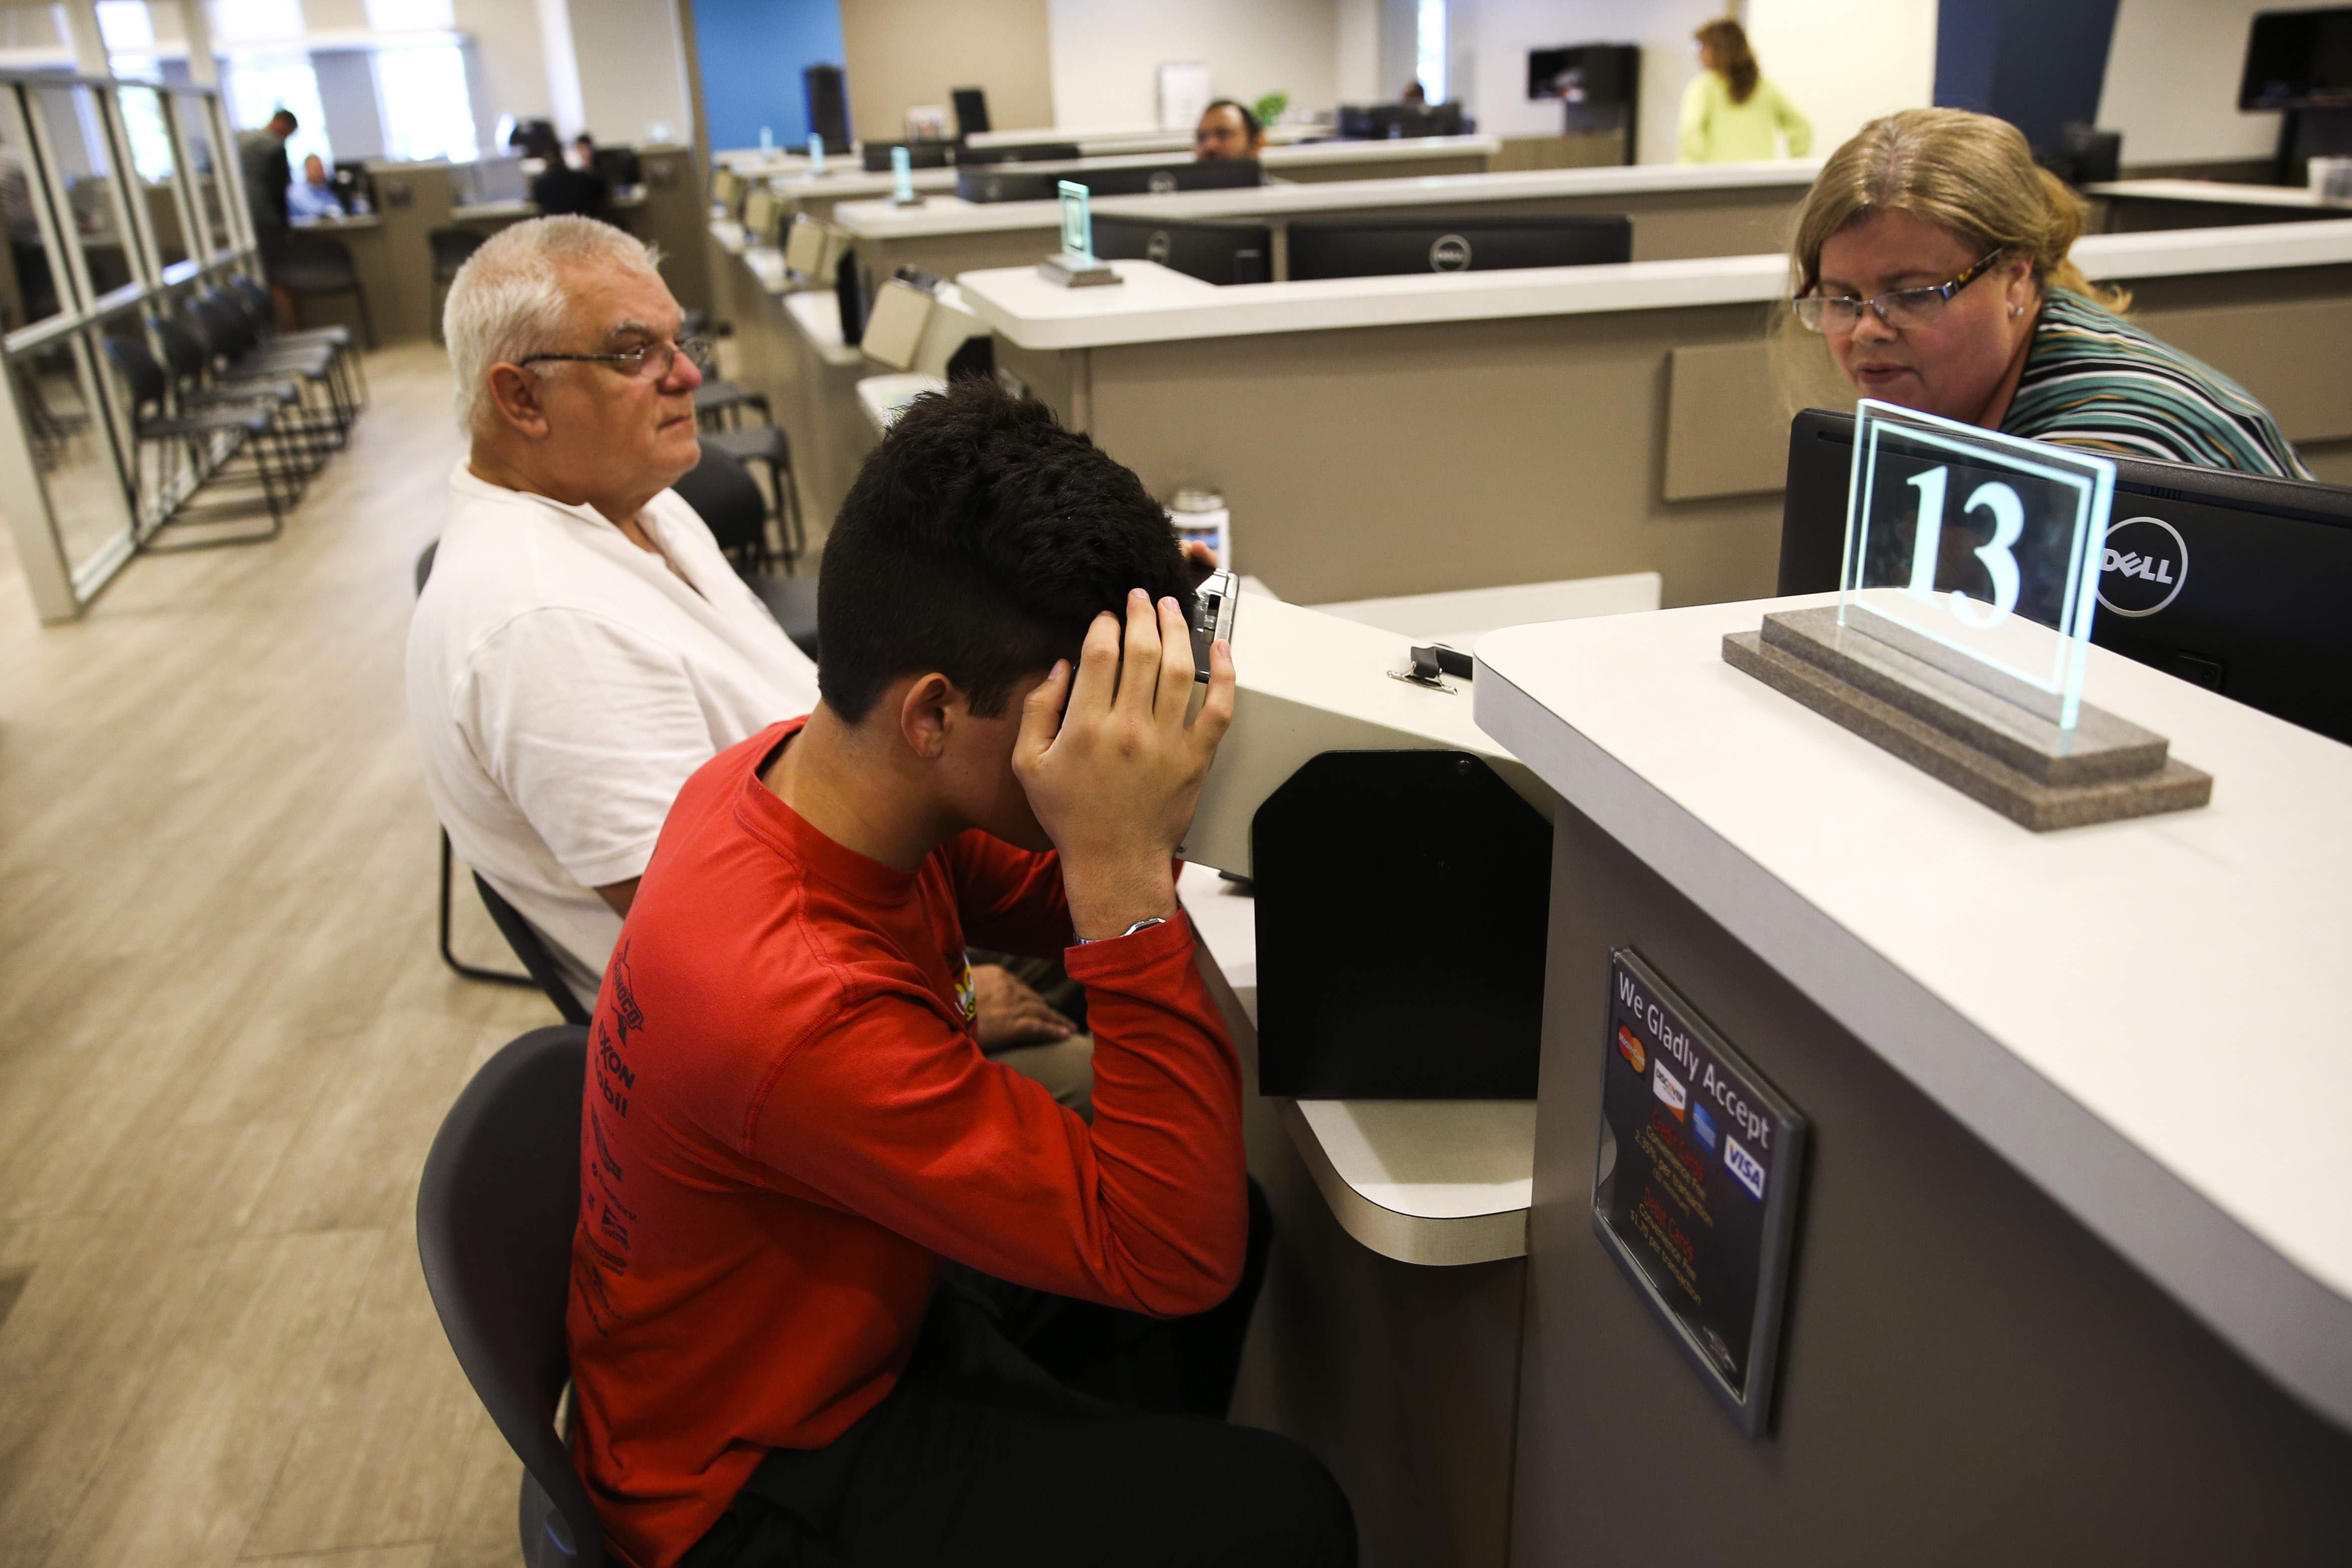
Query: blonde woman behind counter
x,y
1730,113
1932,254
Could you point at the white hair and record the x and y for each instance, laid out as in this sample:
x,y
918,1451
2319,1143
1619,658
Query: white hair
x,y
509,301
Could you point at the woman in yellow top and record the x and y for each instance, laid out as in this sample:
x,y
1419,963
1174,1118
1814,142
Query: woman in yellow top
x,y
1730,113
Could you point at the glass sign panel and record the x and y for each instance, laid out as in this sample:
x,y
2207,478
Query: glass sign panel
x,y
1976,552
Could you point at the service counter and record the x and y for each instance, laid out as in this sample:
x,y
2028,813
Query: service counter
x,y
394,259
2071,1269
1392,435
2134,206
1677,211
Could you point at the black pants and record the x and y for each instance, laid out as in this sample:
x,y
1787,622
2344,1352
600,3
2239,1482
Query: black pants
x,y
1033,1430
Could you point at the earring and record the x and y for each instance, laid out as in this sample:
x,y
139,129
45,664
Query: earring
x,y
2017,310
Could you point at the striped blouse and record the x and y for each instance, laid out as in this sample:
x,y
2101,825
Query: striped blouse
x,y
2093,379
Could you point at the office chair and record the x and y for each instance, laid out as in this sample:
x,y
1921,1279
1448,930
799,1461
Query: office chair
x,y
532,948
723,492
316,267
768,444
494,1217
189,456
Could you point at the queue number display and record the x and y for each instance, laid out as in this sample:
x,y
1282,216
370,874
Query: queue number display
x,y
1976,552
1694,1186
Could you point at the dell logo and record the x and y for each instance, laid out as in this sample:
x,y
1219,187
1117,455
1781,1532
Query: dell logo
x,y
1163,182
2142,567
1449,253
1155,247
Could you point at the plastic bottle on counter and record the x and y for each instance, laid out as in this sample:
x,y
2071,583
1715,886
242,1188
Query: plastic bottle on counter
x,y
1200,516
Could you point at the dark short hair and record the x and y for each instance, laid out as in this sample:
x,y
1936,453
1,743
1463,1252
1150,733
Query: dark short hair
x,y
287,115
980,539
1249,117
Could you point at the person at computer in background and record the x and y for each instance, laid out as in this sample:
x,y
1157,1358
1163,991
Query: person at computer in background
x,y
1227,129
1413,92
311,196
1932,254
581,646
843,1290
570,187
1730,113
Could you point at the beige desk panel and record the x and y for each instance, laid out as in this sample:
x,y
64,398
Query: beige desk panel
x,y
1379,168
1421,458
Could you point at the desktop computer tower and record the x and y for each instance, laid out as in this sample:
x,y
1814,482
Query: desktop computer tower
x,y
828,105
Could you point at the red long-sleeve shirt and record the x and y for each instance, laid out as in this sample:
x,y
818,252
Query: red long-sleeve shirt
x,y
789,1122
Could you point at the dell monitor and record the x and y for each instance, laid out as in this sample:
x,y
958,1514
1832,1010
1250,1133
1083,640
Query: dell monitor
x,y
620,167
919,154
1042,182
971,111
2298,59
1024,152
2239,583
1351,247
1390,122
1220,253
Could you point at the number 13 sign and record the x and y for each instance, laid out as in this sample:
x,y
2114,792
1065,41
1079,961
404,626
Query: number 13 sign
x,y
1976,552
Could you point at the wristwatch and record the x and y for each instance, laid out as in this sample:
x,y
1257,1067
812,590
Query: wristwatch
x,y
1144,924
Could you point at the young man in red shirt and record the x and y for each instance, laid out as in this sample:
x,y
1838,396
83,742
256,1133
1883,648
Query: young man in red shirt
x,y
844,1290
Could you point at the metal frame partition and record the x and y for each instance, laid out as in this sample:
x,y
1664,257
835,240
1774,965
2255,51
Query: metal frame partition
x,y
71,482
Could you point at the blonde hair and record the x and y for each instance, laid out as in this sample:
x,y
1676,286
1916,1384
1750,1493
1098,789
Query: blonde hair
x,y
509,300
1970,174
1729,57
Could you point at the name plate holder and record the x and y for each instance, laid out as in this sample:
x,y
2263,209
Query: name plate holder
x,y
1076,267
1963,624
902,178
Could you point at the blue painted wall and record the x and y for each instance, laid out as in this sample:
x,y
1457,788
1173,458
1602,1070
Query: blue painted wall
x,y
751,54
2038,64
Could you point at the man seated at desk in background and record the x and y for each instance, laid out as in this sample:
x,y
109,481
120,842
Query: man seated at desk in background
x,y
570,187
311,197
843,1290
1227,129
582,646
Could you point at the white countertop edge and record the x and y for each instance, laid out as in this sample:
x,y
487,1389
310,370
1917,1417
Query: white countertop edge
x,y
2224,192
2288,1324
818,316
882,220
1406,1238
1006,299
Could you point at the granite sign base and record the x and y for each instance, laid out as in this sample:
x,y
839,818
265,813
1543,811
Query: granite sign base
x,y
1994,753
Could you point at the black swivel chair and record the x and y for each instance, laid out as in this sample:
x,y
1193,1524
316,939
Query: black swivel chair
x,y
727,498
452,245
318,267
539,964
495,1211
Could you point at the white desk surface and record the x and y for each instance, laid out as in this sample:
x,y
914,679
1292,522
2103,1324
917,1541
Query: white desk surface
x,y
880,220
1134,138
1434,1182
2151,1019
2212,191
767,264
883,396
1156,305
851,180
818,314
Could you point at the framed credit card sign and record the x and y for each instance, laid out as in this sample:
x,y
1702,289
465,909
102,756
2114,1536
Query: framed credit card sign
x,y
1695,1185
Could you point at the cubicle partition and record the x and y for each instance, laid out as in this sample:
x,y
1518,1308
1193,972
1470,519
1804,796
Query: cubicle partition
x,y
118,179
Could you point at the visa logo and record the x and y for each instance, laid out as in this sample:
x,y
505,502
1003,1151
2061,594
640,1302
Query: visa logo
x,y
1631,1049
1704,1125
1670,1088
1743,1165
2130,563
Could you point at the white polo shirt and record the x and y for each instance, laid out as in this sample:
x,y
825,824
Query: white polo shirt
x,y
562,683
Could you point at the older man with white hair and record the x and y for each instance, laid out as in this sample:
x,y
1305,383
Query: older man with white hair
x,y
582,646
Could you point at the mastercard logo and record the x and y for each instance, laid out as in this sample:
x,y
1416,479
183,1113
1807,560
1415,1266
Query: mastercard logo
x,y
1631,1049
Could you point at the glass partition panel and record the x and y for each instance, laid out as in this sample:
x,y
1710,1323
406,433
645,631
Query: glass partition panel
x,y
57,397
70,122
194,117
152,158
28,291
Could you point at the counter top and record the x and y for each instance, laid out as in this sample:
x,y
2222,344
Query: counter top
x,y
2147,1019
1432,1181
2212,191
951,215
1134,138
884,397
1155,305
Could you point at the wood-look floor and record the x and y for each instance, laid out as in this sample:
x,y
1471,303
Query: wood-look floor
x,y
225,1041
